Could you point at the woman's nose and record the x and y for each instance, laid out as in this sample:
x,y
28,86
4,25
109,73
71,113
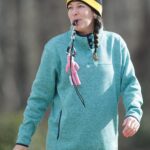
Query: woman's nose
x,y
74,12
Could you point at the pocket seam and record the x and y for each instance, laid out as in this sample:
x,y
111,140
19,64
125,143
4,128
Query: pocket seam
x,y
59,122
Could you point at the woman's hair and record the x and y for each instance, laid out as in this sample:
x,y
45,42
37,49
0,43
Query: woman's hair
x,y
98,23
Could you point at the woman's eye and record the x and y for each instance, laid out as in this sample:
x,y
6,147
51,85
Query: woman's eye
x,y
69,7
81,6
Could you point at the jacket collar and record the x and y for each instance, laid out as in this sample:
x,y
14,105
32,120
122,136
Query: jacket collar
x,y
83,39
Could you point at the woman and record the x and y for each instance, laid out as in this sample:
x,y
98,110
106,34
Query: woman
x,y
83,87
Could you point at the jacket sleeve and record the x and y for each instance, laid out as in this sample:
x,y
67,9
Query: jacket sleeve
x,y
130,86
41,96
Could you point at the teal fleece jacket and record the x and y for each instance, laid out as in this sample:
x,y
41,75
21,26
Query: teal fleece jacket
x,y
71,126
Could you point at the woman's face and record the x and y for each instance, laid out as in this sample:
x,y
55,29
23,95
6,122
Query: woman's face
x,y
84,16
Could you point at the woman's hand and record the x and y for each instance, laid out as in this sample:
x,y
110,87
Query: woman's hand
x,y
20,147
131,126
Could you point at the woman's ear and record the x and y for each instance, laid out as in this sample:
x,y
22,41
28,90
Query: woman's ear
x,y
95,16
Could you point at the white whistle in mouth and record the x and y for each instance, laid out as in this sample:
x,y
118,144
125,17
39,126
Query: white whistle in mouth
x,y
74,23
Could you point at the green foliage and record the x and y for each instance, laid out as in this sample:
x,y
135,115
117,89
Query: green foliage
x,y
9,124
8,130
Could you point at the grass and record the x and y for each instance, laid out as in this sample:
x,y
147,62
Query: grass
x,y
9,124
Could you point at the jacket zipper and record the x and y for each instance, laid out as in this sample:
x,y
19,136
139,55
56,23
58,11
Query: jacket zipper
x,y
58,133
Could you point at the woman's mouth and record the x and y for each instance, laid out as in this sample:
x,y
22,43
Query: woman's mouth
x,y
75,22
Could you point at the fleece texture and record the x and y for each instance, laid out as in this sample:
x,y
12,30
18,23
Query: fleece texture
x,y
71,126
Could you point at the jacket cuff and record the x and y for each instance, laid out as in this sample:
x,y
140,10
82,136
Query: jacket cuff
x,y
22,144
136,115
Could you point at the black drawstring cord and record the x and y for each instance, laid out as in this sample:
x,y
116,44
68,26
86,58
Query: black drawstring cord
x,y
75,87
71,50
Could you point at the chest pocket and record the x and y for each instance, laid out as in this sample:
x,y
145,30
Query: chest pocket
x,y
98,75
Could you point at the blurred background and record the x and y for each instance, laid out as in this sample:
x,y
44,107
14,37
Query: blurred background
x,y
25,26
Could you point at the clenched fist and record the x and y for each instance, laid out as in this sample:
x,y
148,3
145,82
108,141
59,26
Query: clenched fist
x,y
131,126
